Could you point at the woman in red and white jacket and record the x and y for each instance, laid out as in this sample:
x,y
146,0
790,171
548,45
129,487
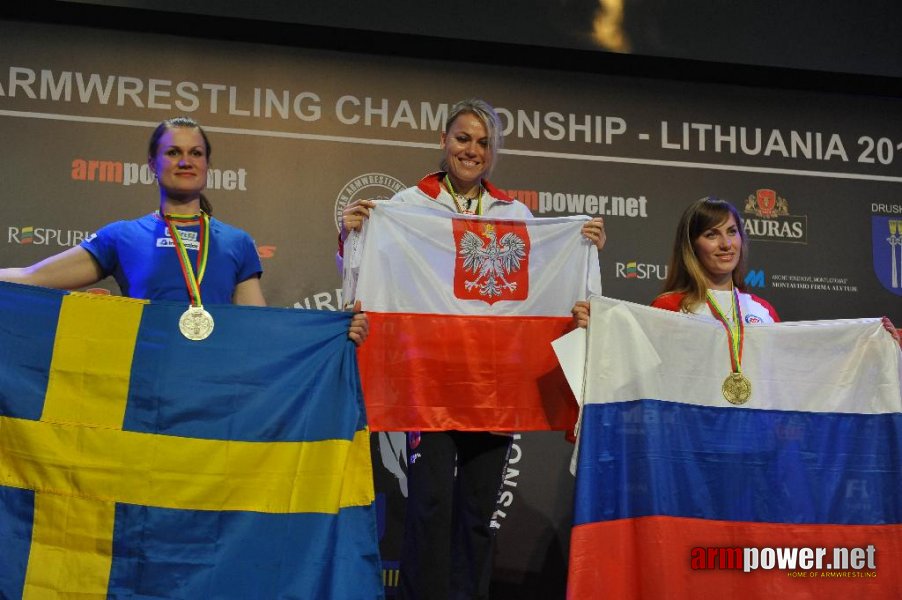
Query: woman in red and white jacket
x,y
707,265
709,262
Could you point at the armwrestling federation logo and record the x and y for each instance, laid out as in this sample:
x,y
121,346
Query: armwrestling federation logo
x,y
371,186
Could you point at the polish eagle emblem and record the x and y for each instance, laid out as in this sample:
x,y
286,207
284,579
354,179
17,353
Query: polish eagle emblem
x,y
491,261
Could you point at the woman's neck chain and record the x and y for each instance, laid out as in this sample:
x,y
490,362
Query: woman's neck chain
x,y
463,202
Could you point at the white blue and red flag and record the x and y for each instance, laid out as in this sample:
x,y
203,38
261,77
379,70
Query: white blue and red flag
x,y
681,495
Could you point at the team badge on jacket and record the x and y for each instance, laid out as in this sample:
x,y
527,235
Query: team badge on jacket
x,y
492,261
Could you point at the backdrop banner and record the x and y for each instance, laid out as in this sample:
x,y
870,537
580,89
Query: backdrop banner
x,y
298,134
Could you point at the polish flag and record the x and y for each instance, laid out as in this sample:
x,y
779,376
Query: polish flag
x,y
462,313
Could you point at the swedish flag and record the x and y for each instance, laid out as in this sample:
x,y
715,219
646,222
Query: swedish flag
x,y
136,463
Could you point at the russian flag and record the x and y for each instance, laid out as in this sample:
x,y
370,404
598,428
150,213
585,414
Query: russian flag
x,y
462,312
680,494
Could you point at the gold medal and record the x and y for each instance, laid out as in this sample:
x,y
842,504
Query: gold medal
x,y
196,323
737,389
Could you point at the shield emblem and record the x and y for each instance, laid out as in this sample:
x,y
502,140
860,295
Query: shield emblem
x,y
492,260
766,201
887,243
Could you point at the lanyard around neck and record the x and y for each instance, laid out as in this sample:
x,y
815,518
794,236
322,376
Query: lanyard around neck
x,y
735,329
193,276
459,197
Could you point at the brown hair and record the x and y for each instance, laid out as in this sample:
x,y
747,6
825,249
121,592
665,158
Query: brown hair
x,y
188,123
685,273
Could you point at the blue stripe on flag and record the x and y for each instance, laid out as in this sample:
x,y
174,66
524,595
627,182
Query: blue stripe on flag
x,y
209,554
228,387
650,457
17,511
264,375
27,347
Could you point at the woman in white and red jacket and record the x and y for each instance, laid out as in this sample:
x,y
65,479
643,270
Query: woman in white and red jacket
x,y
707,266
708,263
454,477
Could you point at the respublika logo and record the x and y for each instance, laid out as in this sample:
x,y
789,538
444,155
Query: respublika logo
x,y
129,173
371,186
639,270
887,243
44,236
771,221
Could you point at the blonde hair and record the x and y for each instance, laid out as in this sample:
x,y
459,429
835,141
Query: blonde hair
x,y
485,113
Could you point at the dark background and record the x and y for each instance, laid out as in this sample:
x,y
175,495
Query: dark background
x,y
828,44
808,66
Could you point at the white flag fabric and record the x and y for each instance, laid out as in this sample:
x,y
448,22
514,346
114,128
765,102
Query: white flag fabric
x,y
462,312
636,351
408,258
669,470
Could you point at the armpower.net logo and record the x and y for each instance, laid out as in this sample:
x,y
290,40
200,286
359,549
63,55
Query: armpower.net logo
x,y
837,562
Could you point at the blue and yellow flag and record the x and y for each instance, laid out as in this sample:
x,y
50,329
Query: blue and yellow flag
x,y
137,463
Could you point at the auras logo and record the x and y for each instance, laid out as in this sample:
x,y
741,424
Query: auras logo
x,y
639,270
128,173
44,236
770,220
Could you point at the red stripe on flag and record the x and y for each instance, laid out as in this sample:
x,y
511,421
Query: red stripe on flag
x,y
651,557
479,373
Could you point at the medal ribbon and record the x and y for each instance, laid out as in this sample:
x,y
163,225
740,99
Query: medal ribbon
x,y
454,196
735,330
193,277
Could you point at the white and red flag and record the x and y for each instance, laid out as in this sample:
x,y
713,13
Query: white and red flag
x,y
462,313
